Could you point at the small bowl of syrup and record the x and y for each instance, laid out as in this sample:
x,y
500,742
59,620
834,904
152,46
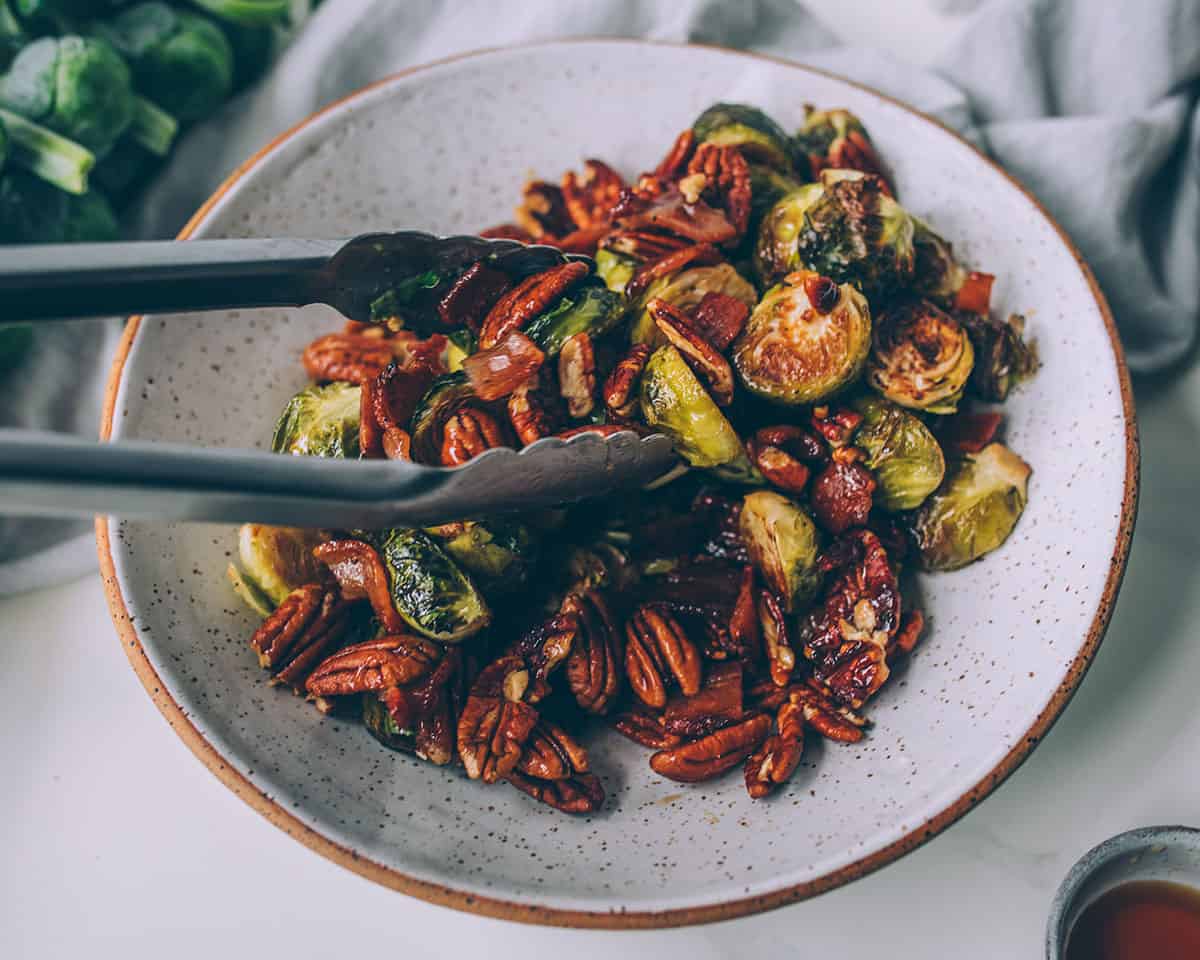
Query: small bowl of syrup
x,y
1134,897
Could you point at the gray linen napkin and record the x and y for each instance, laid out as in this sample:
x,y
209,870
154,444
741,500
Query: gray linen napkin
x,y
1092,103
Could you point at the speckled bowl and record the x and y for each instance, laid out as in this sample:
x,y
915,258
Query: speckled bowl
x,y
446,148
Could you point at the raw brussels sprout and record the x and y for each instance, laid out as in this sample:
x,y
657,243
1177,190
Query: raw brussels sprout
x,y
32,211
775,251
429,590
902,453
759,137
247,12
783,543
46,154
921,357
277,560
975,510
77,86
856,233
674,402
320,421
684,291
792,352
382,727
447,393
1002,357
593,310
500,553
615,269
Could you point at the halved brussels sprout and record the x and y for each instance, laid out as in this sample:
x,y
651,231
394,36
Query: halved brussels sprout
x,y
674,402
736,124
429,590
783,543
1003,358
275,561
796,351
975,510
902,453
767,187
320,421
615,269
447,393
500,553
936,275
775,251
684,291
921,357
855,233
835,138
592,310
382,727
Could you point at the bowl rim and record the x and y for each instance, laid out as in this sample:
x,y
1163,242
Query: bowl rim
x,y
492,906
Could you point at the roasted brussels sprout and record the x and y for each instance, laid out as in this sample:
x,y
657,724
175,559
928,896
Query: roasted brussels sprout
x,y
837,139
807,339
674,402
902,453
974,511
775,252
921,357
77,86
615,269
856,233
759,137
1002,356
447,393
181,60
767,187
937,275
684,291
430,590
591,310
277,560
382,727
320,421
783,543
32,211
499,554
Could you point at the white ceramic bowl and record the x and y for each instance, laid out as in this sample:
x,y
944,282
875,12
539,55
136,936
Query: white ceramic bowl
x,y
446,148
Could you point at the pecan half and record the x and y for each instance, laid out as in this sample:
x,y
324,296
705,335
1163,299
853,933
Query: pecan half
x,y
590,199
584,240
377,664
657,648
472,295
646,728
782,454
355,358
360,573
717,705
620,389
527,299
508,231
841,495
745,630
910,632
582,793
701,355
727,177
542,211
836,427
675,162
776,760
311,621
577,375
467,433
654,208
545,647
552,754
593,665
495,723
711,756
642,245
698,255
533,412
720,318
433,735
780,656
830,720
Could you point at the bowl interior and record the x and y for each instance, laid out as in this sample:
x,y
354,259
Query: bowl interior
x,y
446,149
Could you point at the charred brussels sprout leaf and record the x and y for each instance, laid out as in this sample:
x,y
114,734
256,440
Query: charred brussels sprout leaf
x,y
1003,358
277,560
614,269
320,421
775,252
921,357
674,402
856,233
429,590
975,510
783,543
448,392
902,453
937,275
735,124
591,310
500,554
382,727
685,290
794,351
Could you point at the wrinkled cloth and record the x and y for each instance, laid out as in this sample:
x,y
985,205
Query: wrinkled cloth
x,y
1091,103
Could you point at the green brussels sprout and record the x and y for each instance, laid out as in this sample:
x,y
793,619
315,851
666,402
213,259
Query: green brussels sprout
x,y
684,291
430,590
382,726
77,86
783,543
835,138
32,211
55,16
181,60
902,453
320,421
775,249
247,12
592,310
675,403
794,351
460,344
446,394
767,187
921,357
499,554
937,275
1003,358
856,233
615,269
760,138
276,560
46,154
254,47
975,510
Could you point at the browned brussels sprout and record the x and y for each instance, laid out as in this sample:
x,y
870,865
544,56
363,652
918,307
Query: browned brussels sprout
x,y
320,421
783,543
1003,358
684,291
275,561
921,357
760,138
807,339
837,139
975,510
902,453
775,251
429,589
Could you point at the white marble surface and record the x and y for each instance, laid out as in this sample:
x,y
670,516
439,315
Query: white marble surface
x,y
116,841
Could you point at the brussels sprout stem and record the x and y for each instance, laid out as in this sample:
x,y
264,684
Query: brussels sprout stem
x,y
45,154
152,127
248,13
